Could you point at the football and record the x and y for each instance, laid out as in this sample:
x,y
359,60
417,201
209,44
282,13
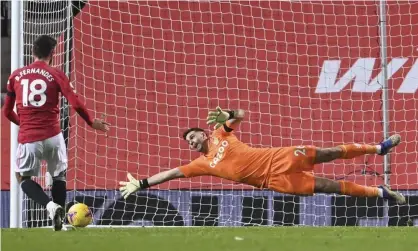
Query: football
x,y
79,215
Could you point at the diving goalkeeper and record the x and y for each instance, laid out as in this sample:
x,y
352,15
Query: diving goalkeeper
x,y
281,169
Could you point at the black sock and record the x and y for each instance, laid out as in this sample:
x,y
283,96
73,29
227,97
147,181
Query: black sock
x,y
34,191
59,192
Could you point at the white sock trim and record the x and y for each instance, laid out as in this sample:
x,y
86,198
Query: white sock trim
x,y
378,149
380,192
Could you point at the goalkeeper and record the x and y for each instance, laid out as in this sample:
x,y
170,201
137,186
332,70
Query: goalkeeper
x,y
281,169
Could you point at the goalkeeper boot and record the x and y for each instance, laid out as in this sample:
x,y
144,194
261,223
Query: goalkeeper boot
x,y
392,195
56,213
389,143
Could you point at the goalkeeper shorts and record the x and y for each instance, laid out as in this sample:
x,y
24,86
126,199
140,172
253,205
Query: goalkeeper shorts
x,y
291,170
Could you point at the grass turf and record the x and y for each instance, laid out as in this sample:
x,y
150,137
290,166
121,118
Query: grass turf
x,y
213,238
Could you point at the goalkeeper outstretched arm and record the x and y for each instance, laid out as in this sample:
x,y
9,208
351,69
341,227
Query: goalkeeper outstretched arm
x,y
229,119
133,185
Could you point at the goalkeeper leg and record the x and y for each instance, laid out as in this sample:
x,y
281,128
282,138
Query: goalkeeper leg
x,y
323,185
355,150
304,183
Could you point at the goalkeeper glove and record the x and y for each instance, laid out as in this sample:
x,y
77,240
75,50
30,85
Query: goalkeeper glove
x,y
219,116
133,185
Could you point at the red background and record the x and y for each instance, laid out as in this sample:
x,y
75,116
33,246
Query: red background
x,y
155,68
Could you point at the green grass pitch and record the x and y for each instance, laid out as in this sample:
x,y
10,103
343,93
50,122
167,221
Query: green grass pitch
x,y
213,238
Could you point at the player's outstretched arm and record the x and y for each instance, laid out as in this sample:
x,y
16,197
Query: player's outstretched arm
x,y
72,98
133,185
230,118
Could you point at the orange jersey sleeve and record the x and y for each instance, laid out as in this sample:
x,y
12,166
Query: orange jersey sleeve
x,y
221,132
197,167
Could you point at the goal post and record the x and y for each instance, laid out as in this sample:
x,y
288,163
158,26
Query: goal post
x,y
321,73
16,62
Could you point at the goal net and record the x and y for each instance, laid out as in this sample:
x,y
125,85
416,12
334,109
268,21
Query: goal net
x,y
306,72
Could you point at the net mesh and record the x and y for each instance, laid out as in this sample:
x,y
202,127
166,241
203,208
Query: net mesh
x,y
306,72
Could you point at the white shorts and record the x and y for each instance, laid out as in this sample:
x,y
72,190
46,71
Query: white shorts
x,y
52,150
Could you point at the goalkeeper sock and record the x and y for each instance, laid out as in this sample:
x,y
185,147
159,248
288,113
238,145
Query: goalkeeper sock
x,y
59,192
34,191
355,150
352,189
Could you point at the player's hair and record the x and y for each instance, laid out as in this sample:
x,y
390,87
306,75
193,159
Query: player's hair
x,y
43,46
193,129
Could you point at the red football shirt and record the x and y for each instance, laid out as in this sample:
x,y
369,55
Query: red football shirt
x,y
36,88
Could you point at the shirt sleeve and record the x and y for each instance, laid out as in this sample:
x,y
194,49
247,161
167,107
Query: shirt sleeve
x,y
197,167
10,103
72,98
221,132
10,86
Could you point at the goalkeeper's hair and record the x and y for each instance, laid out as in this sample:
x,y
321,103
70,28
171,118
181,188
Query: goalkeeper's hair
x,y
43,46
193,129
